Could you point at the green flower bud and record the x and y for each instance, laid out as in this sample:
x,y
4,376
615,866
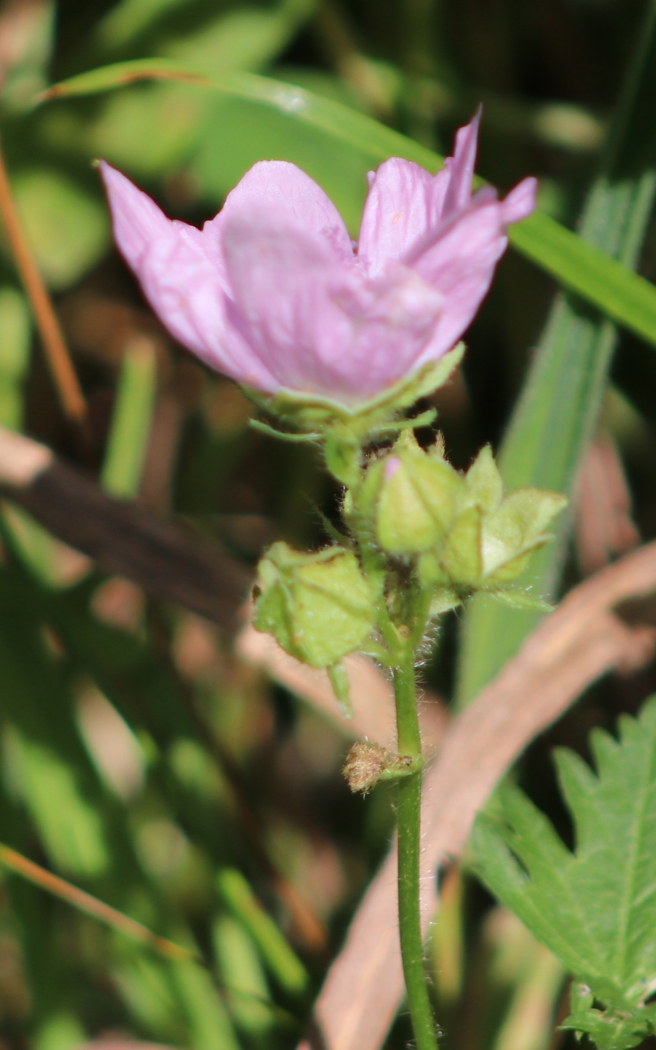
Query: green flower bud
x,y
462,556
483,483
318,606
515,530
418,499
490,539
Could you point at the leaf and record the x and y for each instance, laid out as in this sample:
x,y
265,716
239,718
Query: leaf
x,y
280,959
131,422
595,908
67,229
559,404
247,38
364,143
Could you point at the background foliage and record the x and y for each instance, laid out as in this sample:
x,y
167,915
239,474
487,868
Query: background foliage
x,y
141,759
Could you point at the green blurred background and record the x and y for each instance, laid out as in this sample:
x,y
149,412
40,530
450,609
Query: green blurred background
x,y
140,757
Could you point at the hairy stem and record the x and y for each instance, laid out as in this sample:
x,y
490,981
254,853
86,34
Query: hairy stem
x,y
409,815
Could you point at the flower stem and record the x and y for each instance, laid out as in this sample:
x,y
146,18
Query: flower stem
x,y
409,816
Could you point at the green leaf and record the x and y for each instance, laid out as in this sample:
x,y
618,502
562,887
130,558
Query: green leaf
x,y
67,229
130,428
363,143
280,959
595,908
242,975
247,38
559,404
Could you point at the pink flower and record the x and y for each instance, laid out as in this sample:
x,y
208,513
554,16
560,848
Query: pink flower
x,y
273,292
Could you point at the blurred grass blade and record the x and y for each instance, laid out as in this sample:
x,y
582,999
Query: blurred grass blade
x,y
577,263
130,428
279,957
582,267
560,401
209,1024
19,864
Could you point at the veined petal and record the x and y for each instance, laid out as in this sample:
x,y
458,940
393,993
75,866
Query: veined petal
x,y
520,202
188,293
286,195
397,212
136,219
319,327
460,265
461,167
405,202
182,274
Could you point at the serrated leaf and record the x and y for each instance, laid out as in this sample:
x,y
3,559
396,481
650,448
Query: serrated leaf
x,y
595,908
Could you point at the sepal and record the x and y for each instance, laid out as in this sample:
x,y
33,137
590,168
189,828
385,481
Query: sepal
x,y
418,498
312,414
516,529
318,606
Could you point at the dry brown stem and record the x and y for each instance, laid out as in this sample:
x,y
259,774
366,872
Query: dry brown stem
x,y
167,560
575,645
604,526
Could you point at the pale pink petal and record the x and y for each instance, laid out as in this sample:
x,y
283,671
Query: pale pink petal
x,y
137,221
188,294
520,202
290,197
320,327
182,274
461,167
405,202
460,265
397,212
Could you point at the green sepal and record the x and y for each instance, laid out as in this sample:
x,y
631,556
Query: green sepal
x,y
430,571
342,455
516,598
483,482
318,606
418,499
462,557
339,680
517,528
443,600
308,412
283,435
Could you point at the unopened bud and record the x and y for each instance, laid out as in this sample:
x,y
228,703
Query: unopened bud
x,y
418,499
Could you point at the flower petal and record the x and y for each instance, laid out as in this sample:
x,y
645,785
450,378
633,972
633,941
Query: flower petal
x,y
461,167
136,219
405,202
290,197
318,326
460,265
399,210
520,202
182,274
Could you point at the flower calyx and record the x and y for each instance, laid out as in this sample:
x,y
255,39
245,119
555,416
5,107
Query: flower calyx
x,y
467,535
343,429
318,606
367,764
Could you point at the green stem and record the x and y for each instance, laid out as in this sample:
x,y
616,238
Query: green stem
x,y
409,816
